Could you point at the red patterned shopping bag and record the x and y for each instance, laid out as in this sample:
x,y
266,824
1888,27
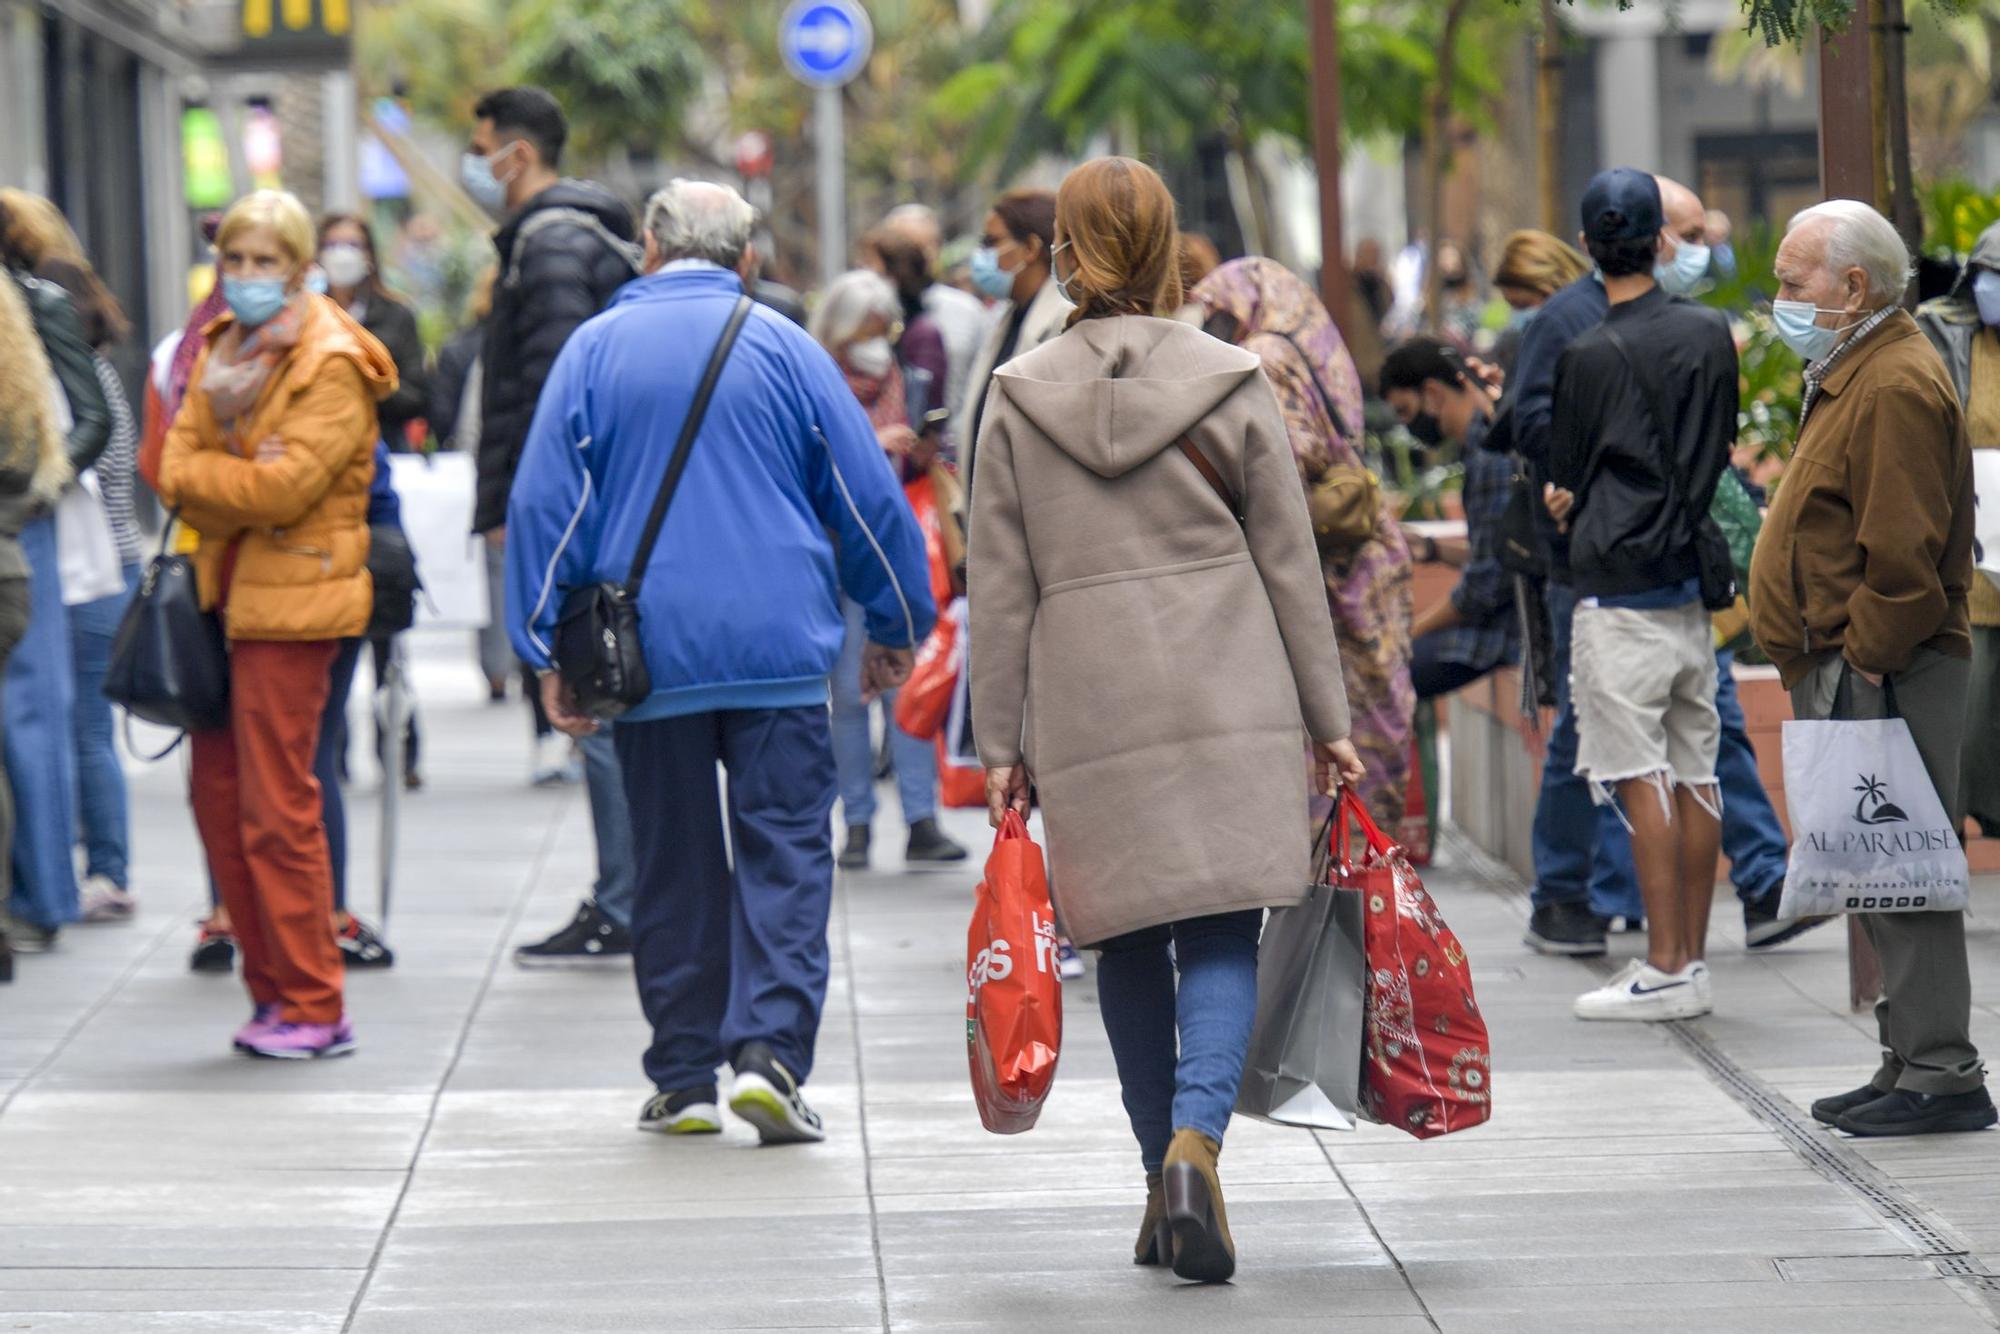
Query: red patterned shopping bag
x,y
1426,1058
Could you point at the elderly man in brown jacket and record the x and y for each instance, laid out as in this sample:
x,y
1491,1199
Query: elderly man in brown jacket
x,y
1858,588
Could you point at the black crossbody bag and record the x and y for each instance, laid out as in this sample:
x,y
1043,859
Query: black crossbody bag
x,y
597,649
1717,573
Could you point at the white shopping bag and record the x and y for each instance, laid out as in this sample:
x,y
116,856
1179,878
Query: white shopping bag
x,y
1868,831
435,492
86,552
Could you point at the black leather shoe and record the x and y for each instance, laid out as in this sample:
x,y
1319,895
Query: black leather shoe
x,y
1567,930
854,857
1828,1111
1907,1113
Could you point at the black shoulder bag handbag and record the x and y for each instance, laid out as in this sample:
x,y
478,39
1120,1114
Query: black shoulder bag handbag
x,y
169,662
1718,574
597,649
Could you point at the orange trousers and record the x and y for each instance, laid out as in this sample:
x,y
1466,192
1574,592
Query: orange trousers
x,y
257,806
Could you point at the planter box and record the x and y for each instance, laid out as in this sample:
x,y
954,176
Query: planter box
x,y
1496,763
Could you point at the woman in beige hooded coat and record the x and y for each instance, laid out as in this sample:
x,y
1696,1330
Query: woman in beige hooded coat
x,y
1153,646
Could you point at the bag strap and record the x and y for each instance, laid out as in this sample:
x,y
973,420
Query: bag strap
x,y
1212,477
685,445
1651,393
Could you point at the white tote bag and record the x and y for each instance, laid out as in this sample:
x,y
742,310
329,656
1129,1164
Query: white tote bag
x,y
86,552
1868,831
1986,510
435,492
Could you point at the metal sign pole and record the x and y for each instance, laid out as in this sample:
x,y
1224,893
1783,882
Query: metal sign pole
x,y
830,135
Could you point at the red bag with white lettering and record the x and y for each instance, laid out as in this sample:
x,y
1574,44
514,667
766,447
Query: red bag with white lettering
x,y
924,701
1426,1060
1013,1001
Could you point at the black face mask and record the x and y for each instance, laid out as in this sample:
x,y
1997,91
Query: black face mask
x,y
1425,430
1222,325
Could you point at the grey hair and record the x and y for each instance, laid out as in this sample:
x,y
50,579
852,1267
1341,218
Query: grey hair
x,y
847,304
1861,238
700,220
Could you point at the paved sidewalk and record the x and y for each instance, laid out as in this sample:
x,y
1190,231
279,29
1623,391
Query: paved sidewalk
x,y
474,1168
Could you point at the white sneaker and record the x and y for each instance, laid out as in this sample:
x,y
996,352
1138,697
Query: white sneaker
x,y
103,901
1704,987
553,762
1642,993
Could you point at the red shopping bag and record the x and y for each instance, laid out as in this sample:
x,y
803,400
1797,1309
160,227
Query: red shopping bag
x,y
961,787
1013,1000
1426,1058
924,701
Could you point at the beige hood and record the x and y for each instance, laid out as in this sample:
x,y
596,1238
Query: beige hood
x,y
1113,393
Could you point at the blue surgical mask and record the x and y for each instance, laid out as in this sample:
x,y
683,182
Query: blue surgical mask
x,y
989,277
1520,319
1680,275
475,173
1794,321
316,282
1986,292
254,300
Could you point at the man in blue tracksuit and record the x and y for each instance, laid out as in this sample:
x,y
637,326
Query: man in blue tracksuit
x,y
787,501
1583,856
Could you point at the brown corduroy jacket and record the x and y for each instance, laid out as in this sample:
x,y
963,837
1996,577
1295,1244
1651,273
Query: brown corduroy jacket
x,y
1867,549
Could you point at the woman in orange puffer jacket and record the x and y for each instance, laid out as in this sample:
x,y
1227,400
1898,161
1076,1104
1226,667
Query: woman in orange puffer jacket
x,y
270,460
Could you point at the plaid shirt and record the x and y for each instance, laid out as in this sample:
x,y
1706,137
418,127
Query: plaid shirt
x,y
1815,374
1490,634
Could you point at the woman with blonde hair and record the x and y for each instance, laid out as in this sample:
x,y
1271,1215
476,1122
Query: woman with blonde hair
x,y
41,681
41,236
1534,266
270,461
1154,652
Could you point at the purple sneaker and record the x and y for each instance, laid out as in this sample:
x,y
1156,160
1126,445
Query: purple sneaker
x,y
262,1018
302,1042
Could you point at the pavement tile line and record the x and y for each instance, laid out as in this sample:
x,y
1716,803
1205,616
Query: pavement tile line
x,y
536,866
1409,1284
1903,1213
90,1012
861,1103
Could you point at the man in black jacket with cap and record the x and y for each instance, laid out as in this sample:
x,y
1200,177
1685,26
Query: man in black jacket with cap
x,y
566,246
1644,417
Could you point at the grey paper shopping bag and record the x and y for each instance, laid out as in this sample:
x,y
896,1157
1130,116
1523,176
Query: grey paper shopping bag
x,y
1304,1066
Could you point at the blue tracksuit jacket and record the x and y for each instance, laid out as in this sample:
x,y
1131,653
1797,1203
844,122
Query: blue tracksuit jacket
x,y
786,501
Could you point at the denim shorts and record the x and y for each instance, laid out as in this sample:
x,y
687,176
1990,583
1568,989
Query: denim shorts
x,y
1643,687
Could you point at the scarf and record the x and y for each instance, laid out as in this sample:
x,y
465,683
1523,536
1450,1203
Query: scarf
x,y
182,366
239,368
882,396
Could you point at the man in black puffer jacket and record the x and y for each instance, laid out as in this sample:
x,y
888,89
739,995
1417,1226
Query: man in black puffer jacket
x,y
566,246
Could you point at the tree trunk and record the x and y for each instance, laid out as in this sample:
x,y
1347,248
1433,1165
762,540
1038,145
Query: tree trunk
x,y
1890,48
1437,153
1548,118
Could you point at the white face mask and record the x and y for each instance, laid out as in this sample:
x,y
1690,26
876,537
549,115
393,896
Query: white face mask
x,y
871,357
346,265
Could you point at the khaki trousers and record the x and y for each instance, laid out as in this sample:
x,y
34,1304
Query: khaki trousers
x,y
1925,1014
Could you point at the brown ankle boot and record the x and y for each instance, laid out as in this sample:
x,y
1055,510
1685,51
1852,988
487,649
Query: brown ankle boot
x,y
1156,1243
1203,1250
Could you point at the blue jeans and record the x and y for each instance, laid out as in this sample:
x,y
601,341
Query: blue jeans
x,y
100,778
41,749
1582,852
1180,1049
854,742
730,950
611,820
326,762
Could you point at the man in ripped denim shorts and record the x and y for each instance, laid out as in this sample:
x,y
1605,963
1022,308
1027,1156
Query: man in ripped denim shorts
x,y
1644,417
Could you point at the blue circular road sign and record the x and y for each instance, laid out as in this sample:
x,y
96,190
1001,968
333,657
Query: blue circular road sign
x,y
825,42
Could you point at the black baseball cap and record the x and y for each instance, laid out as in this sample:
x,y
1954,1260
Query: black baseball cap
x,y
1622,204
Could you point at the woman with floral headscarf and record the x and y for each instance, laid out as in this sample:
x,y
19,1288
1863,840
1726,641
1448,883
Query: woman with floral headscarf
x,y
1261,306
